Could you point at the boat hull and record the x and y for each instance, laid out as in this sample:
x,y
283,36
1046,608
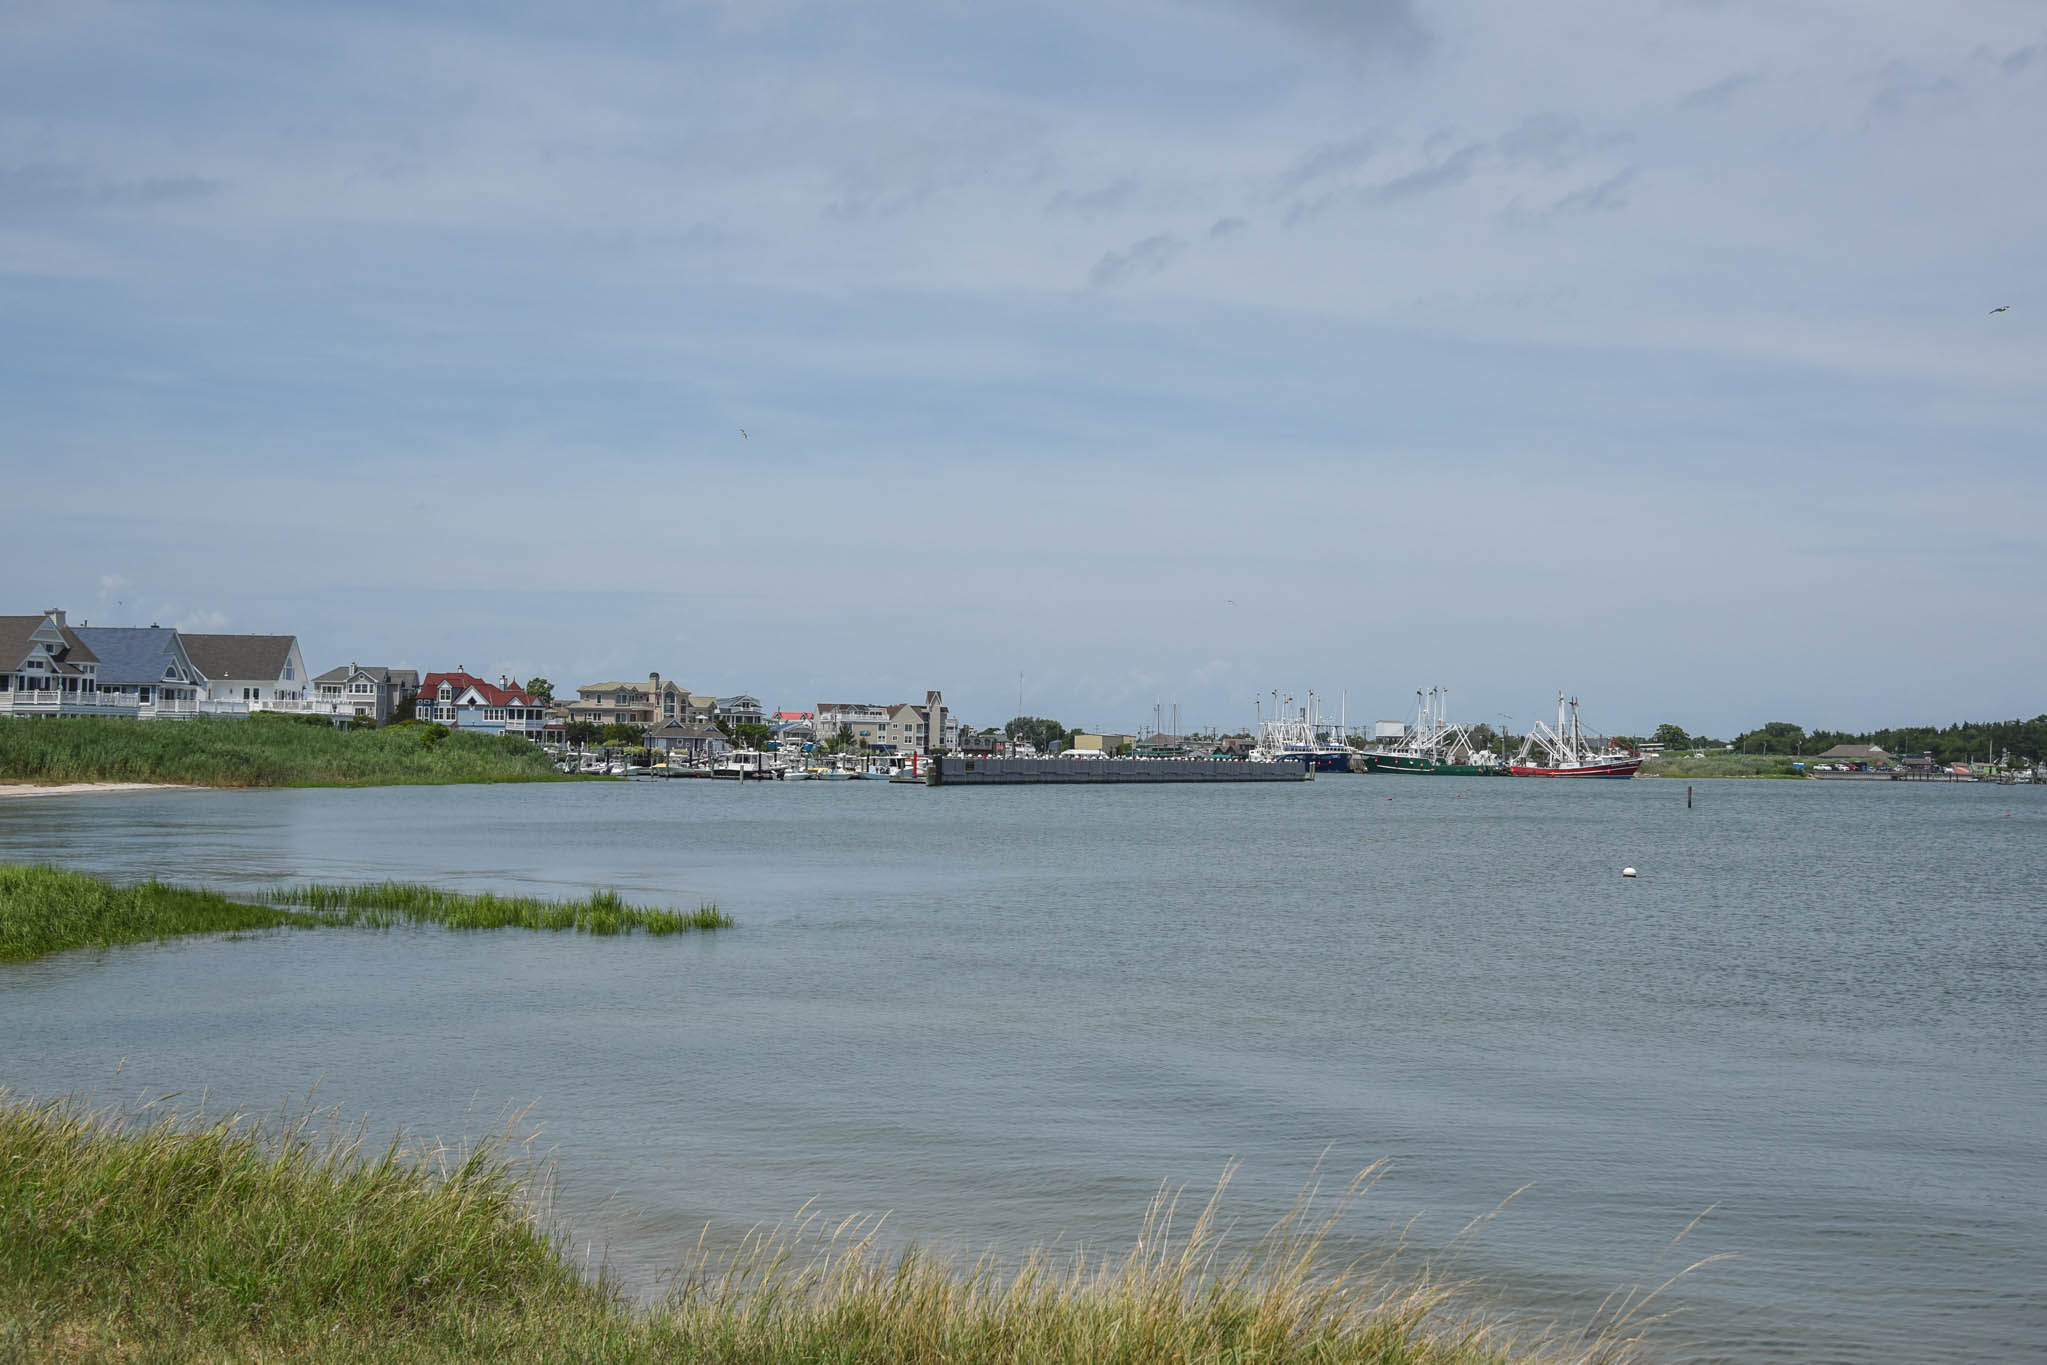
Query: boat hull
x,y
1416,766
1620,768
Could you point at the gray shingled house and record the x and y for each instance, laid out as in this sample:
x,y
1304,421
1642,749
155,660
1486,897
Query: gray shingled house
x,y
144,666
367,690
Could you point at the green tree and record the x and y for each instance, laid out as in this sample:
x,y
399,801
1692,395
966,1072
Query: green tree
x,y
1776,737
583,732
541,688
632,736
1047,736
1671,736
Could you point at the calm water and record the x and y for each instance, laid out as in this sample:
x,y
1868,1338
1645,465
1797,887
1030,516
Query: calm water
x,y
1008,1015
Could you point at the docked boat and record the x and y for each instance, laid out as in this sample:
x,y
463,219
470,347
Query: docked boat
x,y
1434,746
745,765
1567,751
1303,735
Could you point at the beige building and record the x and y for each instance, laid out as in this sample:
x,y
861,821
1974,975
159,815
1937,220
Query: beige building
x,y
1107,744
652,702
903,728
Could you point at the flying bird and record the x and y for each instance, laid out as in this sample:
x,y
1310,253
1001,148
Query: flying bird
x,y
742,432
2002,308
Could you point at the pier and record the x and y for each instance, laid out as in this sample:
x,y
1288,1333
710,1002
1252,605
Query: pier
x,y
955,771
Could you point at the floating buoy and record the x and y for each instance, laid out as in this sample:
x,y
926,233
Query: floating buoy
x,y
1627,872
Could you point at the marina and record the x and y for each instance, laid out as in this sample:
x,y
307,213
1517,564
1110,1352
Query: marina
x,y
1012,772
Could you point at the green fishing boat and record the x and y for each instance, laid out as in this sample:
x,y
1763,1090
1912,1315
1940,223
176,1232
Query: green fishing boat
x,y
1434,746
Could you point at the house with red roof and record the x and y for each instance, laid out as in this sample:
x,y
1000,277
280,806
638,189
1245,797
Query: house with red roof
x,y
463,701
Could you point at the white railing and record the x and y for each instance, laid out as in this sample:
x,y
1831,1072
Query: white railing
x,y
313,706
63,704
94,704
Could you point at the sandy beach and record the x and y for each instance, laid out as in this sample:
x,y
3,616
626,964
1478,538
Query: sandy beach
x,y
8,789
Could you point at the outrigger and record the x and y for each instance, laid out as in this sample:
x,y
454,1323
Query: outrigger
x,y
1435,746
1567,752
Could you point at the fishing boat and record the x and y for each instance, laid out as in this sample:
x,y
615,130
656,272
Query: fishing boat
x,y
1567,751
1434,746
1305,734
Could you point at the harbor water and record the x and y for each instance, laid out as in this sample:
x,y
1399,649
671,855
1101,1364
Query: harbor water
x,y
1005,1017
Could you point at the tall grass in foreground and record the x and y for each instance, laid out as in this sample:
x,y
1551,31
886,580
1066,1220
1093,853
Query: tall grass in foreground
x,y
382,904
188,1240
259,751
47,910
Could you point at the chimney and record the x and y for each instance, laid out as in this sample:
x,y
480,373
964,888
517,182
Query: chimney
x,y
56,614
504,681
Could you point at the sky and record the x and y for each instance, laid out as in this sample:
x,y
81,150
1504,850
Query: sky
x,y
1172,351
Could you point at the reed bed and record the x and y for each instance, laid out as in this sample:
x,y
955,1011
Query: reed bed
x,y
383,904
46,910
173,1239
259,751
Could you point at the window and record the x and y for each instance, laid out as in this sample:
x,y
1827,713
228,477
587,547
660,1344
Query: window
x,y
289,676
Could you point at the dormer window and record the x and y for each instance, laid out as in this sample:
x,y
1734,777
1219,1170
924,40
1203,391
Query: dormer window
x,y
446,692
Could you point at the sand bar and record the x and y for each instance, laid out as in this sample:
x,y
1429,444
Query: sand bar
x,y
8,789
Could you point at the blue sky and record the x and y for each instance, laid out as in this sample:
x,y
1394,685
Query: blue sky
x,y
1639,350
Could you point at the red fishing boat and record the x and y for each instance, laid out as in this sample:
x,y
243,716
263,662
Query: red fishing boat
x,y
1567,751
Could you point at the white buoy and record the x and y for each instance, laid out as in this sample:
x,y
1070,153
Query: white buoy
x,y
1627,872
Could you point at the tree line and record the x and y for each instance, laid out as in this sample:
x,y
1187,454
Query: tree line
x,y
1960,742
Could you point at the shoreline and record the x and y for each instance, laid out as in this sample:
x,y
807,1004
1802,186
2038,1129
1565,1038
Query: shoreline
x,y
10,788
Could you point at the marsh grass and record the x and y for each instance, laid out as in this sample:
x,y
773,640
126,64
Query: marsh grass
x,y
47,910
382,904
166,1238
259,751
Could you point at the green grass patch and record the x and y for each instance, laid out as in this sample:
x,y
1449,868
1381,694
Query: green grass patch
x,y
187,1240
47,910
263,750
381,904
1718,763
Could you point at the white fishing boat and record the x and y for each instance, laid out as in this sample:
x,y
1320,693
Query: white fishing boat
x,y
1569,751
1303,734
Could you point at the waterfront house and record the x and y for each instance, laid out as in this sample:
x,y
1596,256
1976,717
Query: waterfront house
x,y
367,691
255,670
145,668
696,744
900,728
740,710
464,701
793,735
45,668
628,703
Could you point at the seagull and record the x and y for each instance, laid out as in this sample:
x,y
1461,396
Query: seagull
x,y
1231,601
743,435
2002,308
